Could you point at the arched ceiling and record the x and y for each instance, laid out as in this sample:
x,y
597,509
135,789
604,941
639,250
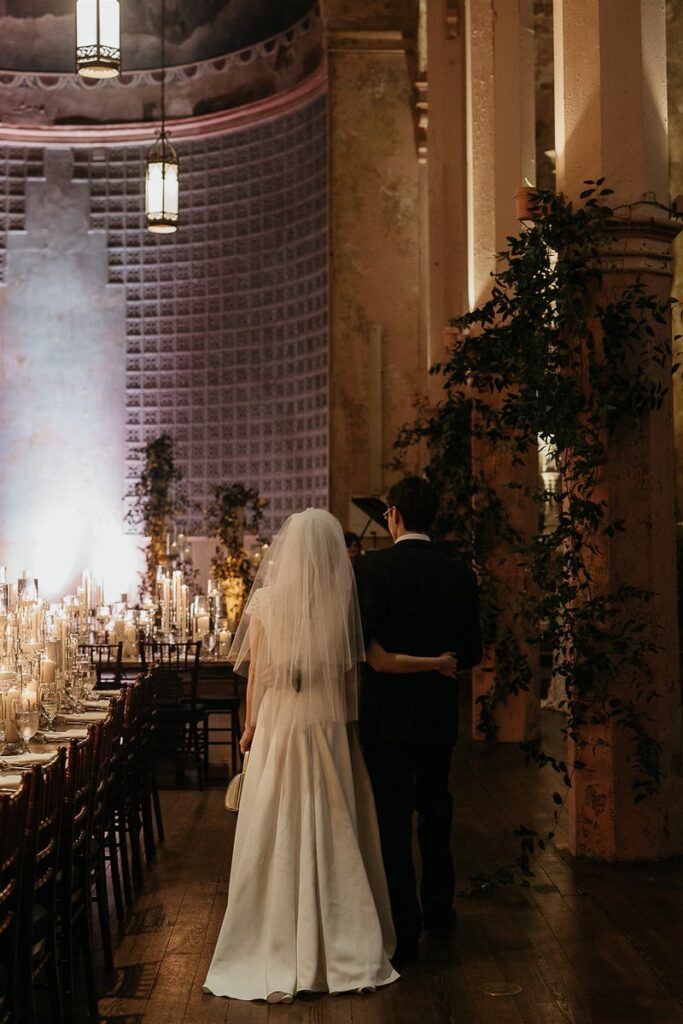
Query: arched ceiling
x,y
39,35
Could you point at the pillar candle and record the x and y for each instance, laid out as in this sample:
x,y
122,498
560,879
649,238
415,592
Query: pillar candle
x,y
11,731
166,605
86,582
224,640
201,626
47,671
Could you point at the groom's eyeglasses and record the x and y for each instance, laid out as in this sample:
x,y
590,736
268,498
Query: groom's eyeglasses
x,y
385,515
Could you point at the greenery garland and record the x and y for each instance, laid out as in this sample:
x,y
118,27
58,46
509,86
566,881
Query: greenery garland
x,y
234,509
156,504
543,358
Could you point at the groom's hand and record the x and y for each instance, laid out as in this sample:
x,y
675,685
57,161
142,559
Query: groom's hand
x,y
447,664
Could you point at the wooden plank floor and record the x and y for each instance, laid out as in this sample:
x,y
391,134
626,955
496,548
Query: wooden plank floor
x,y
585,943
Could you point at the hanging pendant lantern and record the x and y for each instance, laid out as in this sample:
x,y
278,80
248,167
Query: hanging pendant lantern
x,y
161,177
98,38
161,186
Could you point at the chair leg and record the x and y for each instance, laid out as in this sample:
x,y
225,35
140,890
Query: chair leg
x,y
157,809
205,727
103,916
120,839
88,969
67,964
115,874
133,821
54,983
196,748
147,829
26,997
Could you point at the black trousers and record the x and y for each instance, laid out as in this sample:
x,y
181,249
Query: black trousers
x,y
407,778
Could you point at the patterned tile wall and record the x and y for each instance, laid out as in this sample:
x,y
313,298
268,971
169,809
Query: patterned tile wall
x,y
16,165
227,318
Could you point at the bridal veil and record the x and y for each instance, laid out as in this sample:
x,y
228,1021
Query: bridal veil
x,y
301,631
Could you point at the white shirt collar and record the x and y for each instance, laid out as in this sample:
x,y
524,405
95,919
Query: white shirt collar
x,y
411,536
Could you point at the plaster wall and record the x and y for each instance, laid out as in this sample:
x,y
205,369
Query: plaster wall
x,y
63,380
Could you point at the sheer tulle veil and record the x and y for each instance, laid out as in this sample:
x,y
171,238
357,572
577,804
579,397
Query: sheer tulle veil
x,y
300,633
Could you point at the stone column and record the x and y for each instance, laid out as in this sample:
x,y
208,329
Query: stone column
x,y
675,134
611,120
377,348
501,155
441,86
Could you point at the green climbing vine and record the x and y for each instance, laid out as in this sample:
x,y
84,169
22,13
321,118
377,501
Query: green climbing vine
x,y
547,358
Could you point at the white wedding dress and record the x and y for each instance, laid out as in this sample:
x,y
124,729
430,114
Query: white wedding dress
x,y
308,907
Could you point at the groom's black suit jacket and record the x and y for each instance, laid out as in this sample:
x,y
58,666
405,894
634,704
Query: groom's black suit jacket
x,y
415,599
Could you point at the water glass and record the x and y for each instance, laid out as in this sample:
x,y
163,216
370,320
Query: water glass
x,y
28,719
50,701
210,640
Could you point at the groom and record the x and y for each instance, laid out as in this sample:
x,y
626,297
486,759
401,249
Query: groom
x,y
415,600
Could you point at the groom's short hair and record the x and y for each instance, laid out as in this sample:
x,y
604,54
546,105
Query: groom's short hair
x,y
416,500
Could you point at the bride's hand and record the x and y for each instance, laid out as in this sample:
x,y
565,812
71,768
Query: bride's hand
x,y
247,737
447,664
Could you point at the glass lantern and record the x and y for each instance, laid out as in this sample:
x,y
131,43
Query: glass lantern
x,y
161,186
98,38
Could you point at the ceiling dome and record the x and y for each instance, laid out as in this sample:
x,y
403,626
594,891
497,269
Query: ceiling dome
x,y
39,35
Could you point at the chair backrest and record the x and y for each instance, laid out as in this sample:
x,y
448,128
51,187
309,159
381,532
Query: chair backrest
x,y
42,835
106,658
79,783
180,657
13,811
173,661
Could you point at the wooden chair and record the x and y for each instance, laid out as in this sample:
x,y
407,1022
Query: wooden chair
x,y
227,705
13,811
103,846
180,716
73,889
128,806
150,805
38,950
115,843
107,660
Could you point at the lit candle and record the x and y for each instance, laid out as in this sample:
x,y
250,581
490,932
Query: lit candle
x,y
201,626
47,671
86,581
11,731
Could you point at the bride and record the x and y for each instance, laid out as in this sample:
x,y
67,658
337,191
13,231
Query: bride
x,y
308,908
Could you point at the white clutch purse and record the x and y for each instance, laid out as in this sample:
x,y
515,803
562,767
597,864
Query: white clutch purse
x,y
233,793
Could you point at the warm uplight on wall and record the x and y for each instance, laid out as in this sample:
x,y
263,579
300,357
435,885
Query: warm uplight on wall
x,y
98,38
161,177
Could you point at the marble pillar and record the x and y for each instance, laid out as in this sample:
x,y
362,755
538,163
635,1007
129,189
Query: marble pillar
x,y
377,348
611,120
501,157
441,86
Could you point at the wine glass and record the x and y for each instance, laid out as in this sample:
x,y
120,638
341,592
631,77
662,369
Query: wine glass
x,y
50,704
210,640
89,680
79,684
27,719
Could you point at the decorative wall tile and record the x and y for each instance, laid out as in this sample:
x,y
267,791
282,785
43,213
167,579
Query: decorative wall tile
x,y
227,319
